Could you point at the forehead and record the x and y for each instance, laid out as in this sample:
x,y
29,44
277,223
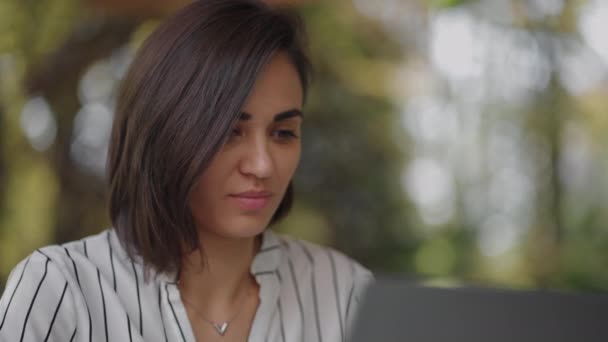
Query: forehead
x,y
276,89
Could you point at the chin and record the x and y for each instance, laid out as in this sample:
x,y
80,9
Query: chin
x,y
243,228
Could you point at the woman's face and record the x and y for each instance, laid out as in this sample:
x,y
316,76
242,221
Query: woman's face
x,y
246,180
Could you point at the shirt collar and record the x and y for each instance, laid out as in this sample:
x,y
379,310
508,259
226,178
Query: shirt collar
x,y
268,258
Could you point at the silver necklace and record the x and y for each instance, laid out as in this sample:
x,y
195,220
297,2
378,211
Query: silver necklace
x,y
219,328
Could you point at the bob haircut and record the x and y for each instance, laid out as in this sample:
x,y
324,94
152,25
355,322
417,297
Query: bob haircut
x,y
176,106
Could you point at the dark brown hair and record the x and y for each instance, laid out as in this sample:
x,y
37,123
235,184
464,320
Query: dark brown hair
x,y
181,96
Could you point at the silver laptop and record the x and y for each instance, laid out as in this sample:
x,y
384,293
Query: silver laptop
x,y
397,310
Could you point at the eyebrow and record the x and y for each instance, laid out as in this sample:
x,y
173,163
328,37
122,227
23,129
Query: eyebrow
x,y
278,117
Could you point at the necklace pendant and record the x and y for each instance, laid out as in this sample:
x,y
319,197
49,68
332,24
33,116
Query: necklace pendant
x,y
221,329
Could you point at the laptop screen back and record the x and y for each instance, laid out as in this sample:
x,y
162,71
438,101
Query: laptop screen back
x,y
394,310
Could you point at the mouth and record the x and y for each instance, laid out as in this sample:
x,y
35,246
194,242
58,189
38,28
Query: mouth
x,y
252,200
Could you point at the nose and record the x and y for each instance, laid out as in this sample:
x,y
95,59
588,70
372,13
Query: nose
x,y
257,160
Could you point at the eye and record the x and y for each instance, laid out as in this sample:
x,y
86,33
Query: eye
x,y
236,132
285,134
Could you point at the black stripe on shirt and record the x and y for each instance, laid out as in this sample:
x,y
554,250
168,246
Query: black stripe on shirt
x,y
86,254
279,278
73,335
281,321
39,251
314,288
46,264
103,302
352,288
129,327
272,320
141,323
263,273
73,264
335,281
160,309
111,260
174,315
14,291
297,290
278,275
269,248
48,334
80,286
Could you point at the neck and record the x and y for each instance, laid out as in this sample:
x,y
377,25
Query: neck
x,y
217,275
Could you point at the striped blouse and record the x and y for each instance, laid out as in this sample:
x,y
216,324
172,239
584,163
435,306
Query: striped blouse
x,y
89,290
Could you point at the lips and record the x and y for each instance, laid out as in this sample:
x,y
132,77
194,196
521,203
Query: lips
x,y
252,200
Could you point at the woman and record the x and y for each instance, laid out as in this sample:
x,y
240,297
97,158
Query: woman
x,y
205,142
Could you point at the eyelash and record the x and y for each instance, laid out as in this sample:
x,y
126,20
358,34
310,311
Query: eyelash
x,y
286,134
282,133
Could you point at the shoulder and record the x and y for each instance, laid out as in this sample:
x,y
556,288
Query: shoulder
x,y
79,259
325,279
315,255
56,264
73,265
310,258
58,287
37,302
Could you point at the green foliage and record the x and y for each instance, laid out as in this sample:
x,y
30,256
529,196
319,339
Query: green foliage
x,y
349,187
446,3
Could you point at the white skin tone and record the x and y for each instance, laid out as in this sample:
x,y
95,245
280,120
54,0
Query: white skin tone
x,y
260,157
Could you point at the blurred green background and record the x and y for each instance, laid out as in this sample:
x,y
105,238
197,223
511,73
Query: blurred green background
x,y
456,141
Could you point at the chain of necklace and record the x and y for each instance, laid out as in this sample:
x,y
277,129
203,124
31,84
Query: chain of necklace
x,y
219,328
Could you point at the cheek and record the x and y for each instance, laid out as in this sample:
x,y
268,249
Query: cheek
x,y
207,185
198,198
218,171
288,162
